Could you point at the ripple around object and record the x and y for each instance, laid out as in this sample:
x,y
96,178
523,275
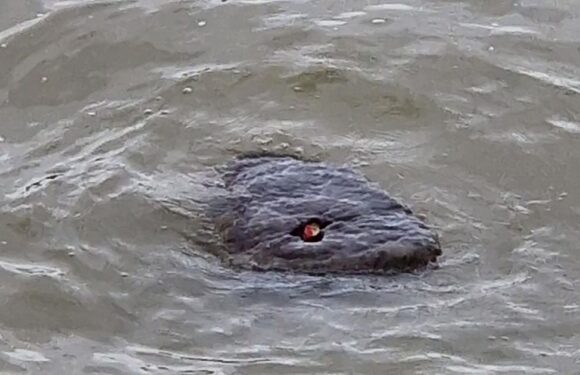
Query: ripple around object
x,y
364,230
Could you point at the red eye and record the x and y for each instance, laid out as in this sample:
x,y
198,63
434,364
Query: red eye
x,y
310,231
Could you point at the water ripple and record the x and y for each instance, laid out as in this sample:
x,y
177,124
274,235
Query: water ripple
x,y
115,114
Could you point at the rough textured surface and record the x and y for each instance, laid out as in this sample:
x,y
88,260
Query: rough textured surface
x,y
270,198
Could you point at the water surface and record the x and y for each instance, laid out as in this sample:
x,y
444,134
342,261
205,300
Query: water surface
x,y
114,113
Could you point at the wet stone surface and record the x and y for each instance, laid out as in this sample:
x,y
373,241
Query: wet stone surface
x,y
273,201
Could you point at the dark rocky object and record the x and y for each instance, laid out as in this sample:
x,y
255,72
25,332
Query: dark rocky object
x,y
285,214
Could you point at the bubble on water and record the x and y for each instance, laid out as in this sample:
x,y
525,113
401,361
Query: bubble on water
x,y
378,21
148,111
201,23
187,90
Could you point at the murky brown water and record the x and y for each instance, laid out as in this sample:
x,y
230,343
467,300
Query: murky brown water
x,y
114,113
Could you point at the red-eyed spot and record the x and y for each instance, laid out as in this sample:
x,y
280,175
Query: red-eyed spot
x,y
310,231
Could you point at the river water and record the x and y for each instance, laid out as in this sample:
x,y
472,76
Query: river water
x,y
114,113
